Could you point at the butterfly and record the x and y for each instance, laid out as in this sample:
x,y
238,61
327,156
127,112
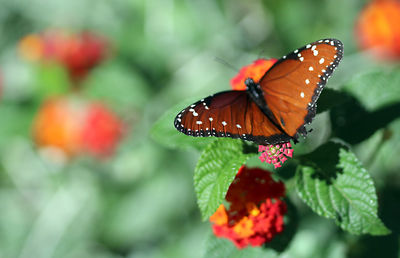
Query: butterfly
x,y
274,110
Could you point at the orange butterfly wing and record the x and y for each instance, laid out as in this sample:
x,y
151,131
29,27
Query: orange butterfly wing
x,y
229,114
292,86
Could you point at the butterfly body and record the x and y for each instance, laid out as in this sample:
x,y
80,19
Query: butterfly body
x,y
273,110
256,94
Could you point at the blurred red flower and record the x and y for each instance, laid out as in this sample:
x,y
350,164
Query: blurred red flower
x,y
255,213
255,71
76,127
101,131
79,52
378,28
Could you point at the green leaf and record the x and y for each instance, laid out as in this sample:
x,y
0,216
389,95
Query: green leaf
x,y
164,132
354,124
376,88
215,171
335,185
52,80
330,98
223,248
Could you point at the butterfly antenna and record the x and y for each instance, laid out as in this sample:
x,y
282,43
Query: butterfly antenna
x,y
222,61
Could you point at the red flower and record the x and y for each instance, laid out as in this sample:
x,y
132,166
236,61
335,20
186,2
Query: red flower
x,y
75,127
255,71
79,53
101,130
255,213
378,28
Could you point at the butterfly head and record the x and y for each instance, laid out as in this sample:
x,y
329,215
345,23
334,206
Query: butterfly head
x,y
249,83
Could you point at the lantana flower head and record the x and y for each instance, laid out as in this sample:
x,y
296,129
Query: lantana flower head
x,y
255,212
275,154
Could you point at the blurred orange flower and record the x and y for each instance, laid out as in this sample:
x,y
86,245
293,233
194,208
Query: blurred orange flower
x,y
77,127
255,71
58,124
255,213
79,52
378,28
31,47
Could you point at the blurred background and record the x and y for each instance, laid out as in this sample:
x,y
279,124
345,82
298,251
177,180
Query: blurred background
x,y
83,82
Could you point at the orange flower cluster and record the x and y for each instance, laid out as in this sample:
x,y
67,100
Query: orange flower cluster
x,y
255,212
76,126
378,28
79,53
255,71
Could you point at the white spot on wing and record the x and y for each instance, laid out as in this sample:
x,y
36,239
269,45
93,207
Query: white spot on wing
x,y
199,122
224,123
322,60
310,68
302,94
238,126
307,81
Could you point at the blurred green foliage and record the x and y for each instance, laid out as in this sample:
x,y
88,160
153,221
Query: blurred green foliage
x,y
141,202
